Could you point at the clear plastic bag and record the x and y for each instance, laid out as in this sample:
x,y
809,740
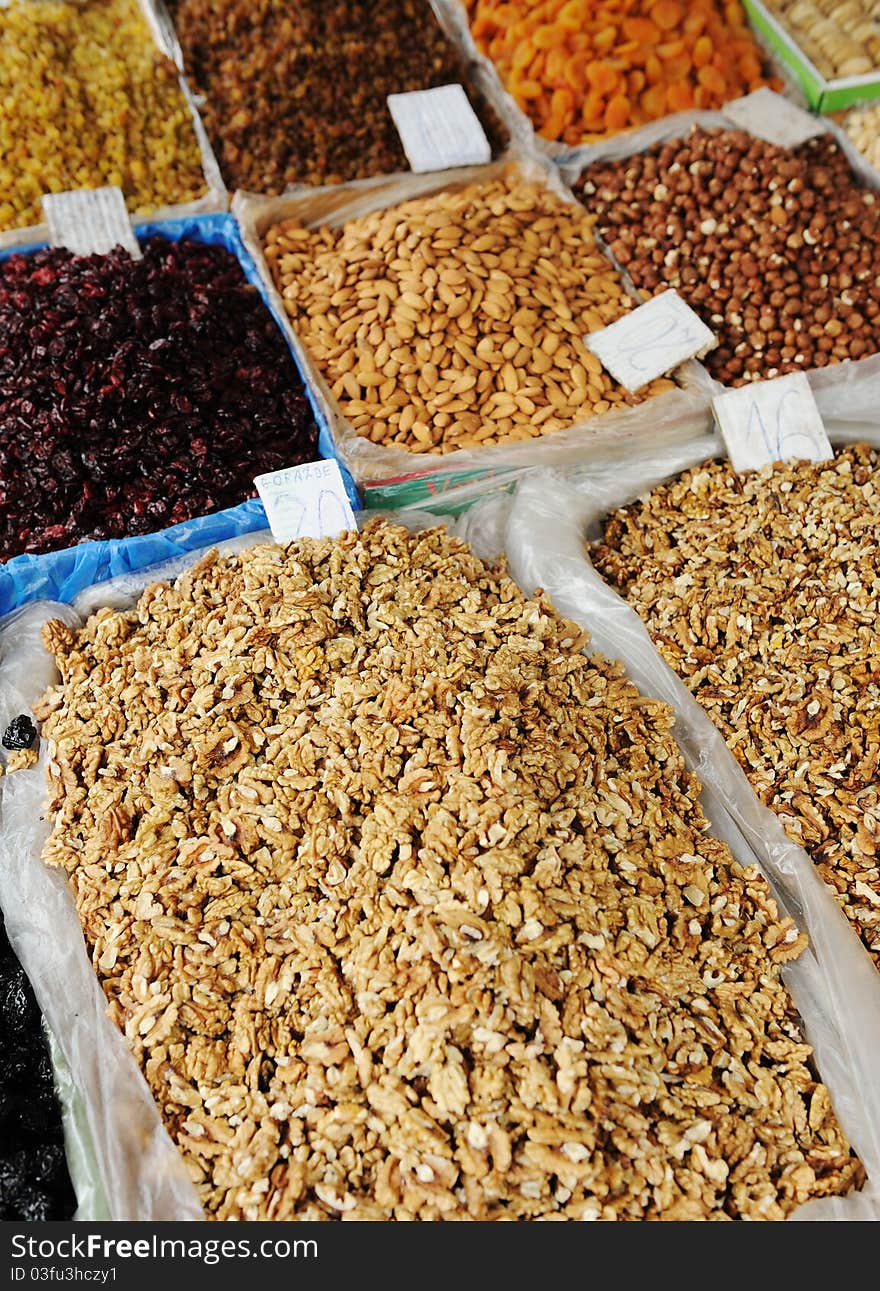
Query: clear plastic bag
x,y
834,983
452,18
123,1153
123,1163
843,391
396,476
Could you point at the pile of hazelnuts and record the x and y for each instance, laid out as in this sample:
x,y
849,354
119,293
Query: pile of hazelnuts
x,y
777,249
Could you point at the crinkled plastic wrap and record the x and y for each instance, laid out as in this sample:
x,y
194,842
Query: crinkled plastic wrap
x,y
60,575
834,983
844,391
452,18
123,1157
395,476
215,197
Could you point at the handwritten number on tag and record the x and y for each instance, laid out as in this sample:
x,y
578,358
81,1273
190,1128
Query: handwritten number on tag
x,y
650,341
671,335
332,515
307,501
771,421
781,440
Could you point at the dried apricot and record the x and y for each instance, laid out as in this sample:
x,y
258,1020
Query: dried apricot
x,y
667,14
703,51
642,30
650,53
654,101
602,78
712,79
679,96
617,113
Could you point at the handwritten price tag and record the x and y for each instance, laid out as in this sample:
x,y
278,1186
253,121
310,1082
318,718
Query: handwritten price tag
x,y
306,501
651,340
769,116
439,129
772,421
90,221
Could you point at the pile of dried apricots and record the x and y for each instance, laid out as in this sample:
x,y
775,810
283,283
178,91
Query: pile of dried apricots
x,y
583,69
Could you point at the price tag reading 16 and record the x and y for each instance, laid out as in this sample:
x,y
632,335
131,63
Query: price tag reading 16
x,y
306,501
772,421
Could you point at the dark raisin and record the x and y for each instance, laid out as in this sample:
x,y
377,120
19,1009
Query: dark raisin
x,y
20,733
137,393
34,1182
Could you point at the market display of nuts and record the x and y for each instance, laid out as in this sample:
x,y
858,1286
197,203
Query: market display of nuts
x,y
777,249
408,909
295,93
862,124
763,592
88,100
583,69
456,319
840,37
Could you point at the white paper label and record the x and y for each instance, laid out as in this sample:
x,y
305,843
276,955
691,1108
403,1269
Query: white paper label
x,y
439,129
771,117
90,221
772,421
307,501
651,340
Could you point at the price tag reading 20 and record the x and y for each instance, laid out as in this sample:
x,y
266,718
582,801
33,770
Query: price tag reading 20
x,y
306,501
651,340
772,421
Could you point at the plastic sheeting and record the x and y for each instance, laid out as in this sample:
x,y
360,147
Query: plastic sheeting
x,y
541,530
400,476
60,575
834,983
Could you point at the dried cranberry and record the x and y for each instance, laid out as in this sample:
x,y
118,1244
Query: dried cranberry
x,y
137,393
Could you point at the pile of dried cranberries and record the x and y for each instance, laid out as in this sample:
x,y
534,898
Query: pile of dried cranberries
x,y
137,393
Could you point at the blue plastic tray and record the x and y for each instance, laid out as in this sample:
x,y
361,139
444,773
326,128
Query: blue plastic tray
x,y
61,575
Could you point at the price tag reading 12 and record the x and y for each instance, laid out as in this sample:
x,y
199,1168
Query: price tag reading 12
x,y
306,501
651,340
772,421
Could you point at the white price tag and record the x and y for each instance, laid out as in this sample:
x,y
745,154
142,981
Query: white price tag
x,y
772,421
90,221
439,129
775,119
651,340
307,501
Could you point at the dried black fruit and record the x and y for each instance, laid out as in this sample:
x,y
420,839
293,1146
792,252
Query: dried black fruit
x,y
137,393
20,733
34,1182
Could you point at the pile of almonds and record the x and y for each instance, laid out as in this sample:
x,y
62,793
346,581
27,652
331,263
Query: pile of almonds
x,y
778,250
407,907
456,319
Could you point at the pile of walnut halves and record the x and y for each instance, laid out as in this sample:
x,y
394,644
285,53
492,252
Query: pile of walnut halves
x,y
407,907
763,592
